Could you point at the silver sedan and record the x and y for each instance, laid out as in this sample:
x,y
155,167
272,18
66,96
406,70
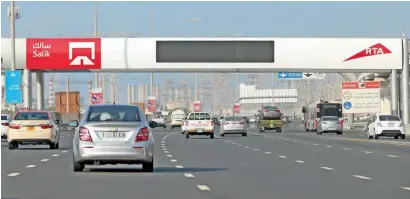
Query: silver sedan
x,y
328,124
233,125
113,134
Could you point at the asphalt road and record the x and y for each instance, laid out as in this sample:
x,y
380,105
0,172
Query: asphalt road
x,y
288,165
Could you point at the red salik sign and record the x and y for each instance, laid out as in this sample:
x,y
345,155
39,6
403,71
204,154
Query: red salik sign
x,y
63,53
237,108
197,106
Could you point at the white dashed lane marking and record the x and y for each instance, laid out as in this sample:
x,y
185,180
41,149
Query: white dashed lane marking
x,y
64,151
282,156
367,152
169,155
362,177
55,155
327,168
173,160
300,161
44,160
13,174
166,151
329,146
314,144
179,166
256,149
268,152
346,149
393,156
406,188
188,175
203,188
30,166
246,147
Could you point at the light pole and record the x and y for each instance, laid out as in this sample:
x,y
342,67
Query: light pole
x,y
13,15
152,74
195,20
95,35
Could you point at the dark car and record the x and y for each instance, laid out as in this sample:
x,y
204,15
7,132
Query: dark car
x,y
270,112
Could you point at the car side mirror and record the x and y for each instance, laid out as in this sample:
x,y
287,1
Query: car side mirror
x,y
73,123
152,124
57,121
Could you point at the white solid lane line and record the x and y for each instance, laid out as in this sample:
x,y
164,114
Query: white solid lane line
x,y
188,175
282,156
393,156
268,152
203,187
13,174
55,155
44,160
327,168
300,161
173,160
30,166
362,177
169,156
406,188
179,166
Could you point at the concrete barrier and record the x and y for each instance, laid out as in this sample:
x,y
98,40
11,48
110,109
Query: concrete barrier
x,y
407,129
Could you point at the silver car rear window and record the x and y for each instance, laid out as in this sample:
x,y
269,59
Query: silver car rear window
x,y
113,113
330,119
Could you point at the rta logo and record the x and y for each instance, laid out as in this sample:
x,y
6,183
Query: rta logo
x,y
81,60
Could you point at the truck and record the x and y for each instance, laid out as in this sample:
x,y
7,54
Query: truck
x,y
176,118
270,118
199,123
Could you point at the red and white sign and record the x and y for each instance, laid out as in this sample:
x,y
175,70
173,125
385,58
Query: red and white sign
x,y
361,97
97,96
377,49
152,104
63,53
237,108
197,106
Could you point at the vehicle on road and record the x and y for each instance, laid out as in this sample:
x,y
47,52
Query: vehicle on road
x,y
330,124
252,119
233,125
199,123
176,118
316,110
113,134
270,118
5,121
159,119
33,127
183,126
386,126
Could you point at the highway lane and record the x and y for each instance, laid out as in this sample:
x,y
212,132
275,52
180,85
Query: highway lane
x,y
228,167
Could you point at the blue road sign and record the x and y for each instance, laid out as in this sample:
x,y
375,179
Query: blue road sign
x,y
347,105
290,75
14,94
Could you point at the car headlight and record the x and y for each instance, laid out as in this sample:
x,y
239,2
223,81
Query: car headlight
x,y
401,124
379,125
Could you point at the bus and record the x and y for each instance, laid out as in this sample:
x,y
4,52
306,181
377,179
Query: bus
x,y
314,111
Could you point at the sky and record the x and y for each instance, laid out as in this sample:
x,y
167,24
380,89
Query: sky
x,y
253,19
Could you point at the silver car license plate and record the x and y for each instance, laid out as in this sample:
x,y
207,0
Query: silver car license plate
x,y
113,135
391,125
200,130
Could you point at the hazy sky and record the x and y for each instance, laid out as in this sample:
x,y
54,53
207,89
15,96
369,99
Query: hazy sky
x,y
259,19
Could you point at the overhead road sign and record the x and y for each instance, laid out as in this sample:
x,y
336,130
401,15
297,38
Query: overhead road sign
x,y
14,94
361,97
300,75
220,54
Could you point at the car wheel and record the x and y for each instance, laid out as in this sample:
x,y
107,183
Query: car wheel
x,y
77,166
182,132
212,136
339,133
396,137
164,127
222,134
403,137
53,145
376,137
187,135
148,166
172,127
13,146
279,130
244,134
58,145
370,136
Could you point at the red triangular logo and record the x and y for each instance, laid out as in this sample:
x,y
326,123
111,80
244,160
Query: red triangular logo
x,y
377,49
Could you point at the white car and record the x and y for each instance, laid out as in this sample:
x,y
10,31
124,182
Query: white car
x,y
5,121
387,126
183,124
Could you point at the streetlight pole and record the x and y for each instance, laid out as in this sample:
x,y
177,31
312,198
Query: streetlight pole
x,y
196,74
152,74
13,16
95,35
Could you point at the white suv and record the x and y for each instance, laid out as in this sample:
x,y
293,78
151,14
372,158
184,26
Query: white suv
x,y
387,126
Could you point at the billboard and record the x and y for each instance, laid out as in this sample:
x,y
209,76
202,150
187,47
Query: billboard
x,y
97,96
152,104
63,53
14,94
361,97
237,108
197,106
